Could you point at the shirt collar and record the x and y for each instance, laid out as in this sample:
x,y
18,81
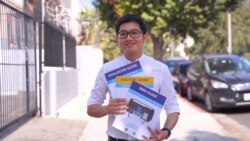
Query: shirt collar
x,y
127,61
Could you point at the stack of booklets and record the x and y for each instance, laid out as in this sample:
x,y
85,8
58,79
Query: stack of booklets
x,y
145,104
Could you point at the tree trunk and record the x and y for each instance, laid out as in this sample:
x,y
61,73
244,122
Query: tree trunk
x,y
157,47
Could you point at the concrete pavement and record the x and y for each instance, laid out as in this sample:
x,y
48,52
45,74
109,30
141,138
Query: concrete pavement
x,y
197,125
73,124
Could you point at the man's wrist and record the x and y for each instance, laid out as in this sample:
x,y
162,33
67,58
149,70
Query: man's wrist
x,y
166,130
106,110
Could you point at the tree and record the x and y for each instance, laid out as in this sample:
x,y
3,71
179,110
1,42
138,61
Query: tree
x,y
231,3
175,18
213,39
90,26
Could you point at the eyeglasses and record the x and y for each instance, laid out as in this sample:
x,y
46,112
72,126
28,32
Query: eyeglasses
x,y
133,33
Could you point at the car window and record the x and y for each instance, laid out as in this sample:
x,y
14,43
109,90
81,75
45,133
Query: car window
x,y
243,65
221,65
227,65
170,63
213,66
173,63
184,68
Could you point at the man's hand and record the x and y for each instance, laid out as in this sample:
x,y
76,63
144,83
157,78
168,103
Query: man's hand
x,y
117,106
157,135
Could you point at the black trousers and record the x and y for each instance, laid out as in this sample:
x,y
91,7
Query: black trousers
x,y
115,139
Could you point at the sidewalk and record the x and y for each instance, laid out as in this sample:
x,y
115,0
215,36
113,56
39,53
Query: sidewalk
x,y
68,126
197,125
74,125
194,125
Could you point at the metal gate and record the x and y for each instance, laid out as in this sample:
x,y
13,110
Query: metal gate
x,y
18,92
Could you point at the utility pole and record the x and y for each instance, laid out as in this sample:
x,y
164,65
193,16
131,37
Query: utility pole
x,y
229,4
229,29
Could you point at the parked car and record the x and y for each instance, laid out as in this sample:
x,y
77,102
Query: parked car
x,y
180,76
171,62
178,67
220,81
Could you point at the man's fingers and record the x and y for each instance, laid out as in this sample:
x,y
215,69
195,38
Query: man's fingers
x,y
118,102
118,106
120,112
151,131
144,138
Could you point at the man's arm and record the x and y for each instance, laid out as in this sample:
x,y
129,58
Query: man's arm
x,y
170,123
159,135
171,120
115,106
97,110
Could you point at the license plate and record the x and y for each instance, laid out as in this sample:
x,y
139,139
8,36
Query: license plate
x,y
246,97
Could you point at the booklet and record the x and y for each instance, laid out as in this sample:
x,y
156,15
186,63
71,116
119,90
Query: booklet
x,y
145,106
127,70
123,83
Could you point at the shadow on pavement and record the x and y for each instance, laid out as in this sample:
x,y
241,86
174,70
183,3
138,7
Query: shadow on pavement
x,y
197,135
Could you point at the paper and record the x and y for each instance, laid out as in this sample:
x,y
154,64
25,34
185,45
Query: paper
x,y
127,70
124,82
145,106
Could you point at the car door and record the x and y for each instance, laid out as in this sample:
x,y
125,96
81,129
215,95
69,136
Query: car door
x,y
202,80
194,76
198,75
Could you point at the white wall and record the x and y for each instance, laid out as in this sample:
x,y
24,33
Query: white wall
x,y
60,85
89,61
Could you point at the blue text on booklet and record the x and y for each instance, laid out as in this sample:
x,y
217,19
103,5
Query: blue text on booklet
x,y
127,70
147,94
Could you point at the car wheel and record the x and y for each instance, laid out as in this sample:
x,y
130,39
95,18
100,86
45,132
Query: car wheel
x,y
189,94
209,104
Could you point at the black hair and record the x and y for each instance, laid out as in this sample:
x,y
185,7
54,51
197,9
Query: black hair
x,y
131,18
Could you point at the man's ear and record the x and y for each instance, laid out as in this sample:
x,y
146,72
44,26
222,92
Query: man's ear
x,y
146,37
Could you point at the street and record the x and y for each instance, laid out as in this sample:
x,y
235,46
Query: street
x,y
241,115
236,120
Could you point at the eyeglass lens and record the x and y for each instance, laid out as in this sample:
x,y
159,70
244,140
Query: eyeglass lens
x,y
133,33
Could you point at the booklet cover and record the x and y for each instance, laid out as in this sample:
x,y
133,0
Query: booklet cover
x,y
145,106
127,70
123,83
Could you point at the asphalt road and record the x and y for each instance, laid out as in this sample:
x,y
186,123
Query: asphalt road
x,y
235,120
240,114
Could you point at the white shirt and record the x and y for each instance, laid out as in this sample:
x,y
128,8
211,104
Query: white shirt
x,y
162,84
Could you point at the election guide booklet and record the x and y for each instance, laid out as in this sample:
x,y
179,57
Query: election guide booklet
x,y
124,82
127,70
145,106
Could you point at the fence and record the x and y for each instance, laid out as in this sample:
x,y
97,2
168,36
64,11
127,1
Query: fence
x,y
18,92
24,37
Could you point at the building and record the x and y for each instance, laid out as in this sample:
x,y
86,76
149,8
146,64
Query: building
x,y
37,58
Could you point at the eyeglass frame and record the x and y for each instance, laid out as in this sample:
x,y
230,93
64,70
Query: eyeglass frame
x,y
129,33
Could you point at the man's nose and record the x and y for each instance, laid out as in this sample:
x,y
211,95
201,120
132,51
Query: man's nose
x,y
129,37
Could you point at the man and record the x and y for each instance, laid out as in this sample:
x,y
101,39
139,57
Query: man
x,y
131,33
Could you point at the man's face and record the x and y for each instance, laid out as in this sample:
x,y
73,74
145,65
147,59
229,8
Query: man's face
x,y
130,39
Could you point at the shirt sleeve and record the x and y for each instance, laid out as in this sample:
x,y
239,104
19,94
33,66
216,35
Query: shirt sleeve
x,y
167,88
98,93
